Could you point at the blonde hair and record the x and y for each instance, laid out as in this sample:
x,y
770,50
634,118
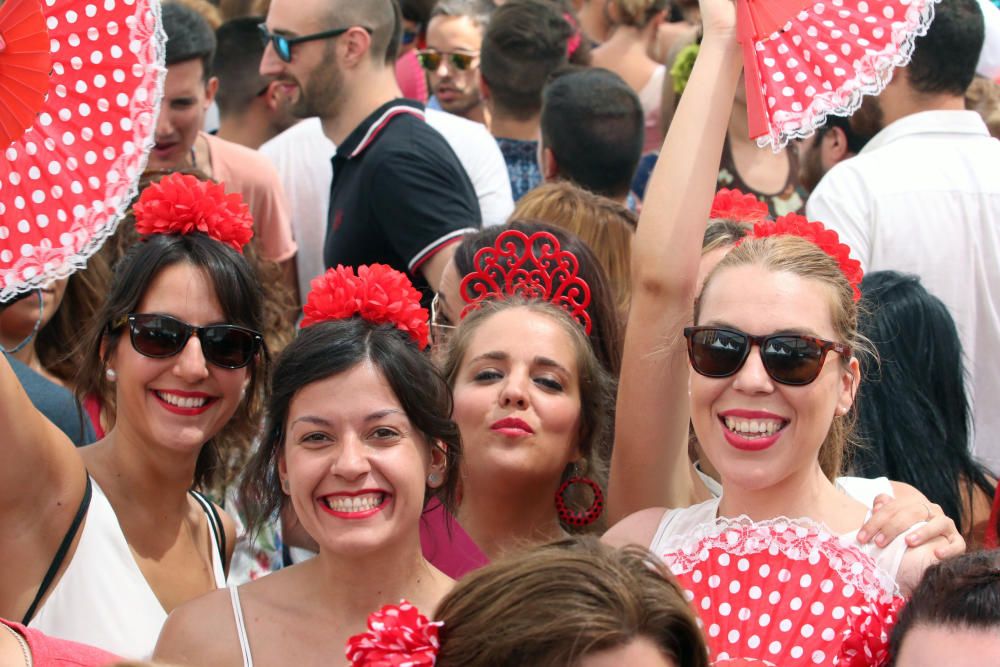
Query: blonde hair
x,y
803,258
205,9
637,13
604,225
597,390
556,604
723,234
983,97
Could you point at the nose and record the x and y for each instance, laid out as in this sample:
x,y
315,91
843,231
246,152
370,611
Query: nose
x,y
191,365
513,391
352,461
442,68
164,128
753,377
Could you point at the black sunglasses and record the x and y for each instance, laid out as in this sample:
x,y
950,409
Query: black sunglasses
x,y
430,59
791,359
162,336
283,45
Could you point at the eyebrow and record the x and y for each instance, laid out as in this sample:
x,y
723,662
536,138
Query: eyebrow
x,y
503,356
320,421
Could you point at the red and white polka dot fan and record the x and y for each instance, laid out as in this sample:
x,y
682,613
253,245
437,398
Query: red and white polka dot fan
x,y
80,84
804,59
784,593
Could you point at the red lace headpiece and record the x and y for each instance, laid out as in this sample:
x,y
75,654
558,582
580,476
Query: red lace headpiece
x,y
738,207
377,293
183,204
397,636
827,240
534,267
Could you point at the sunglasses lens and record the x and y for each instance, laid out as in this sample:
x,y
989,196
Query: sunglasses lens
x,y
429,60
717,352
792,359
461,61
228,347
158,336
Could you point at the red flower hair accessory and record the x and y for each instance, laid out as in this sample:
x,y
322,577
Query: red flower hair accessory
x,y
378,293
827,240
183,204
738,207
397,636
530,266
866,640
573,43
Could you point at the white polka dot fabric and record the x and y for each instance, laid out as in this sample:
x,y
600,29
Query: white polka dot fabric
x,y
65,183
778,592
805,60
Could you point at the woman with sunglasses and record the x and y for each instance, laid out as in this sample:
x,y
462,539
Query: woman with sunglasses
x,y
99,544
772,352
358,438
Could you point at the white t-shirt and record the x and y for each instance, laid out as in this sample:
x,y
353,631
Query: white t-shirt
x,y
923,197
989,57
302,155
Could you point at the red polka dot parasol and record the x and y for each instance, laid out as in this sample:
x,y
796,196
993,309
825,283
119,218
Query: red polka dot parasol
x,y
805,59
80,84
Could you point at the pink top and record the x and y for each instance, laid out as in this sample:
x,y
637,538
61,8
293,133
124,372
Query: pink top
x,y
246,171
51,652
411,77
446,545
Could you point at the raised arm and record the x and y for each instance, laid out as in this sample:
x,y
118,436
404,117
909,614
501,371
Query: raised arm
x,y
649,466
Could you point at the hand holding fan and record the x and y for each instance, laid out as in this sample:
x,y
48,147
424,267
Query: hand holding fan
x,y
804,59
784,592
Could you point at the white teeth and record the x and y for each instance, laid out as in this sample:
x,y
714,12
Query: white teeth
x,y
354,503
182,401
754,426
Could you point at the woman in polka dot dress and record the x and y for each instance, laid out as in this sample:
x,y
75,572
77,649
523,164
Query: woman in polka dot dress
x,y
774,426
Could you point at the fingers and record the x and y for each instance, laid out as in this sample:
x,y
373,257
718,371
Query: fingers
x,y
891,518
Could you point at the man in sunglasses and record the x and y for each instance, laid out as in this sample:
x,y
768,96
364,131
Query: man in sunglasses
x,y
454,38
399,195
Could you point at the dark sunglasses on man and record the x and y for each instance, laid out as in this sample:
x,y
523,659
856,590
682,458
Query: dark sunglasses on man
x,y
283,45
430,59
161,336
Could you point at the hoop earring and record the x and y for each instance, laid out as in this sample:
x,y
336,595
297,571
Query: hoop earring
x,y
574,517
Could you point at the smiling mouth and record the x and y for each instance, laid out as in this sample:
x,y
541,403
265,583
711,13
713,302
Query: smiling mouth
x,y
185,402
753,428
354,504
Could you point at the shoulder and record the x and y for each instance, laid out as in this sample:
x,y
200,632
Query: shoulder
x,y
637,528
201,631
249,165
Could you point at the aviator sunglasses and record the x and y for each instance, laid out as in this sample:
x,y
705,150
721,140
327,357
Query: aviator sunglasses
x,y
791,359
283,45
430,59
162,336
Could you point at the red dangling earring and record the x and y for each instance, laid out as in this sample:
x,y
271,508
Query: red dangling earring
x,y
576,518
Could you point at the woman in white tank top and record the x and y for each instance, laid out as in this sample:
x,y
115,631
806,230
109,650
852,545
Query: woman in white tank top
x,y
100,543
358,438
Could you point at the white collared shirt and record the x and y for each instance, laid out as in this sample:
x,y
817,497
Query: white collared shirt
x,y
923,197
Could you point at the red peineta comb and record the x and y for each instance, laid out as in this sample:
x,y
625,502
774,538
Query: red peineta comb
x,y
535,267
183,204
377,293
827,240
738,207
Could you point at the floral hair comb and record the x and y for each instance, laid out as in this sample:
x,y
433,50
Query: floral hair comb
x,y
377,293
535,267
183,204
397,636
827,240
738,207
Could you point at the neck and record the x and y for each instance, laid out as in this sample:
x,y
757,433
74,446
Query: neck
x,y
374,88
593,22
503,126
248,129
478,114
627,38
500,517
909,103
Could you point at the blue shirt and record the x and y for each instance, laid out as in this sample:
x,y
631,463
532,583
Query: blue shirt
x,y
522,165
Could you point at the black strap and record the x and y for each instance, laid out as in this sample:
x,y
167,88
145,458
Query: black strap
x,y
60,553
213,516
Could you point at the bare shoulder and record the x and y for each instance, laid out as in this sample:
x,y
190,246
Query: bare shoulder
x,y
905,492
637,528
200,632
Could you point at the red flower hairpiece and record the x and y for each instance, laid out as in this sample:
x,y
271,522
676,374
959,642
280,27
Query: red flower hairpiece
x,y
866,639
183,204
378,293
530,266
397,636
738,207
574,41
827,240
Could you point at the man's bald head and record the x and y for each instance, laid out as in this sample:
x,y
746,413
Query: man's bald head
x,y
381,16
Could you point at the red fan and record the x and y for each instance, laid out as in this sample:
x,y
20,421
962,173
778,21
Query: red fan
x,y
783,592
24,66
70,176
804,59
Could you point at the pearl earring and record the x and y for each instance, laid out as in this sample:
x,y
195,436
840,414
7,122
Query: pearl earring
x,y
284,486
111,375
433,479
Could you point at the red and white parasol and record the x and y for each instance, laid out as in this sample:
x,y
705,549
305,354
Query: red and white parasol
x,y
80,84
805,59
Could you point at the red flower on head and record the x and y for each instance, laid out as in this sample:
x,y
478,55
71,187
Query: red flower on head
x,y
738,207
183,204
397,636
377,293
827,240
866,639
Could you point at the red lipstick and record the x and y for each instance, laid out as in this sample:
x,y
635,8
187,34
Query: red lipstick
x,y
747,443
185,411
512,427
324,504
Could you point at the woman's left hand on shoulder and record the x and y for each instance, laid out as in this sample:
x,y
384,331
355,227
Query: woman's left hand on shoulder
x,y
891,517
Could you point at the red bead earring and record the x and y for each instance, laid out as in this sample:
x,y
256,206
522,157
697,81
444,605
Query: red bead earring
x,y
576,518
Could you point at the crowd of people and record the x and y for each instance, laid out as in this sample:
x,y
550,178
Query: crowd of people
x,y
482,333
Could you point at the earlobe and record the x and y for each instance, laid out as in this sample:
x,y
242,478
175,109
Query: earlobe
x,y
550,168
851,381
211,87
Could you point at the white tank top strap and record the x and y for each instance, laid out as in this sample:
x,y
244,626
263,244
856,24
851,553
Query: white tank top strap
x,y
241,629
217,530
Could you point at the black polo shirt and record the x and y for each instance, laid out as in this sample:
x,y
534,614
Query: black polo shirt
x,y
399,194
